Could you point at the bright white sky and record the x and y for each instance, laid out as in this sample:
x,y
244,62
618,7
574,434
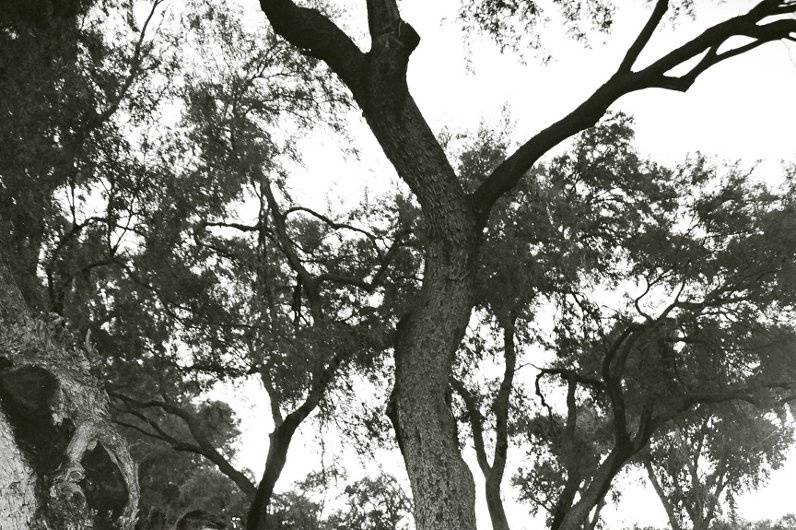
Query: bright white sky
x,y
743,109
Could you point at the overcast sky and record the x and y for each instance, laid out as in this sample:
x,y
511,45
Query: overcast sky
x,y
743,109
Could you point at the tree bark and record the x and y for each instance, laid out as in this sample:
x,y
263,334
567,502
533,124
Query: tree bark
x,y
494,503
18,501
428,337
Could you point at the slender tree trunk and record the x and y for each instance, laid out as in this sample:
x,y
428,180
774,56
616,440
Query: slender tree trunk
x,y
494,474
566,498
673,521
497,514
279,444
274,464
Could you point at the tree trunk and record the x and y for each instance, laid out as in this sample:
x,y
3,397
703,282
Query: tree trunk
x,y
278,446
670,513
56,436
497,514
494,474
578,515
18,502
428,337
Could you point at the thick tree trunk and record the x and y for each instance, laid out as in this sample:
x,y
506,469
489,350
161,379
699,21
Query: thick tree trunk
x,y
429,335
428,338
18,502
53,415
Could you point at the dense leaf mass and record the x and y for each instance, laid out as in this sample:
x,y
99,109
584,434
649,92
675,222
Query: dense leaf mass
x,y
571,318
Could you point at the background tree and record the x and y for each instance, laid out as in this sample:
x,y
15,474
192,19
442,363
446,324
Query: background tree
x,y
725,273
729,449
243,280
598,215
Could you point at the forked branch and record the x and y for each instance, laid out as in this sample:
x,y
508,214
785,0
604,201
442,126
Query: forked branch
x,y
707,45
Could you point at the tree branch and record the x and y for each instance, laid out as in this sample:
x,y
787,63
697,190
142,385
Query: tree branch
x,y
501,406
661,6
317,36
476,423
624,81
656,485
203,447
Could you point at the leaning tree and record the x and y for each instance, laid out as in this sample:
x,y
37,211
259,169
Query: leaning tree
x,y
430,332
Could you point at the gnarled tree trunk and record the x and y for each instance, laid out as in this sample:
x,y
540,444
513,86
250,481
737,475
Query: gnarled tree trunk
x,y
62,463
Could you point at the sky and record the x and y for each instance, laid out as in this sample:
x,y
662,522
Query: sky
x,y
743,109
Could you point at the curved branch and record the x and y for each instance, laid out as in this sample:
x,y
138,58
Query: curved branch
x,y
202,447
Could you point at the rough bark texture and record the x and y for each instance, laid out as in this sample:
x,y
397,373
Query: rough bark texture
x,y
429,334
442,484
18,502
54,416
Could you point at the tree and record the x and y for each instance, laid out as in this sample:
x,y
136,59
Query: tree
x,y
282,294
594,195
64,463
723,277
376,503
431,331
601,220
725,451
147,259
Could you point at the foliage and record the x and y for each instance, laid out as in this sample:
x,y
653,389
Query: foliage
x,y
377,503
721,451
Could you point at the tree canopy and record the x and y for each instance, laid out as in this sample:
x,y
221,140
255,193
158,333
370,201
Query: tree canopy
x,y
564,306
